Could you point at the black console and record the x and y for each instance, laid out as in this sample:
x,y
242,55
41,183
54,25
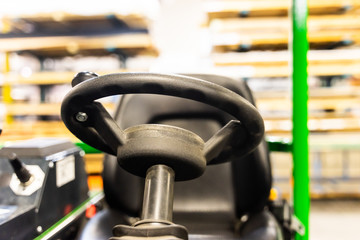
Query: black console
x,y
41,181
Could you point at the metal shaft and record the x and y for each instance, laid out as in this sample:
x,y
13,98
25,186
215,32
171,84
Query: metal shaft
x,y
158,194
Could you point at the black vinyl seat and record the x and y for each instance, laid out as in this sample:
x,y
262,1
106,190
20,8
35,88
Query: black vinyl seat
x,y
227,202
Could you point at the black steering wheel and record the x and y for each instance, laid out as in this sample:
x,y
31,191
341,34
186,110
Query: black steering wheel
x,y
90,122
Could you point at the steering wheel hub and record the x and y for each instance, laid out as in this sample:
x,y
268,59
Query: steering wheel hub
x,y
153,144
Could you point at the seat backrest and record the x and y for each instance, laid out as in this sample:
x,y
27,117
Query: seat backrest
x,y
229,189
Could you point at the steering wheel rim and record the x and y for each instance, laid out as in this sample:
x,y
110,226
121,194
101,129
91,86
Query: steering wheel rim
x,y
81,100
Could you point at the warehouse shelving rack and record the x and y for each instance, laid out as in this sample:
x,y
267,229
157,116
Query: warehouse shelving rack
x,y
299,144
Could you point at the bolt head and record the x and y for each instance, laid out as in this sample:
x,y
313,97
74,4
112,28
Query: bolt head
x,y
81,117
39,229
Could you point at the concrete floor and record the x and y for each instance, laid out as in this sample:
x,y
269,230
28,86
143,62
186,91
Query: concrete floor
x,y
335,220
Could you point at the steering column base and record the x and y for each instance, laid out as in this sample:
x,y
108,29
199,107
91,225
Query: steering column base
x,y
156,217
152,231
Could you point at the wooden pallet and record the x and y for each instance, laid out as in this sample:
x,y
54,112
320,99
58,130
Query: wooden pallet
x,y
16,21
316,92
49,78
256,8
36,109
329,103
282,58
22,130
285,71
73,44
276,63
315,125
283,24
266,40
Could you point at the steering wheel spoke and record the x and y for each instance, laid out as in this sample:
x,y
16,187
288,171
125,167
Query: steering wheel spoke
x,y
105,126
232,135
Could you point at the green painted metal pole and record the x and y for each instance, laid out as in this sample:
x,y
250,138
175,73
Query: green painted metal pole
x,y
300,47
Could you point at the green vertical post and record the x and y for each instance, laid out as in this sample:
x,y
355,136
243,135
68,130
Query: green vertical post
x,y
300,47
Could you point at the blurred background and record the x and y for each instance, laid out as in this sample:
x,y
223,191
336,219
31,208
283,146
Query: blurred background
x,y
44,43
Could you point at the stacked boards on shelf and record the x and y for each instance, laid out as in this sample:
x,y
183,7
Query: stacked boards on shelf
x,y
68,34
52,47
43,52
250,39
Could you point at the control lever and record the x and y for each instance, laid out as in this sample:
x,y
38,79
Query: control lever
x,y
26,179
20,170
